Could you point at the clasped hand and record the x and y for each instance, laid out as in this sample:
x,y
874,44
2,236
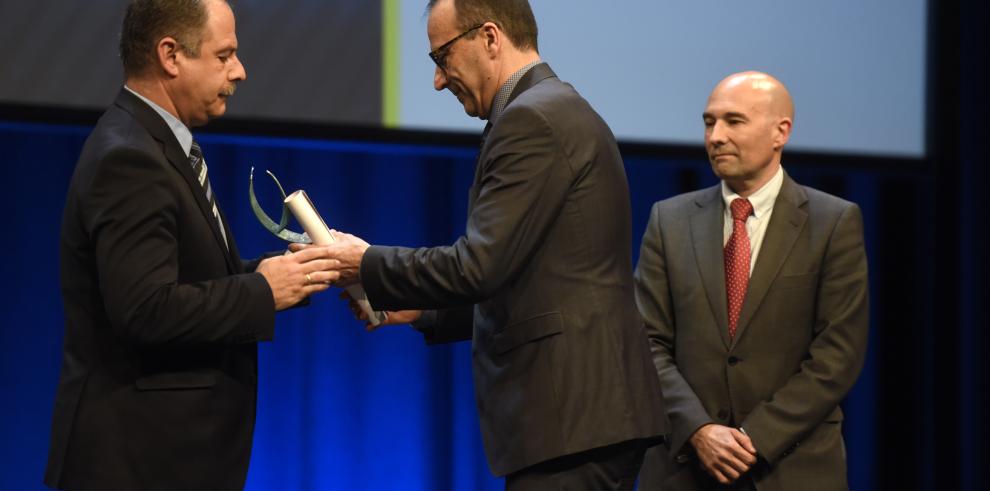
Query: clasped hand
x,y
725,453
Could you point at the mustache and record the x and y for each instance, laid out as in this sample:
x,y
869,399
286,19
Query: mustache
x,y
229,90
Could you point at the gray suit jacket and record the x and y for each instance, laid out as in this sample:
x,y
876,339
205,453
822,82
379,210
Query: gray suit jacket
x,y
798,349
541,281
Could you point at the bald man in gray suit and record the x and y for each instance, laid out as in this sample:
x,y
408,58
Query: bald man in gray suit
x,y
754,293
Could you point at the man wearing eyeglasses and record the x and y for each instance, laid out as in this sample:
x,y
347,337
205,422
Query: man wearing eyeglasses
x,y
541,280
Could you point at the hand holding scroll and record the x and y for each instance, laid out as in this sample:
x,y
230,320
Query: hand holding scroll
x,y
294,277
392,318
347,250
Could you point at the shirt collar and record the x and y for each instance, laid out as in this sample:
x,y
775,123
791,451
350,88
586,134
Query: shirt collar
x,y
182,134
502,96
763,199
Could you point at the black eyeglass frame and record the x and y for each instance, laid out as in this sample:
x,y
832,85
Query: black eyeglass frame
x,y
439,55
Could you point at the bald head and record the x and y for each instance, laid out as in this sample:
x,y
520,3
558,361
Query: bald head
x,y
747,123
759,88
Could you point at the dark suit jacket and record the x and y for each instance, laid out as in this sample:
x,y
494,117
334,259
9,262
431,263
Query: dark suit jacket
x,y
542,283
158,381
798,349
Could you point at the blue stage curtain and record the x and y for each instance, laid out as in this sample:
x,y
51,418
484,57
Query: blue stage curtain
x,y
340,408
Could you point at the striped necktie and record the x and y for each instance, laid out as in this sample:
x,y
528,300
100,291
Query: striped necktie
x,y
199,169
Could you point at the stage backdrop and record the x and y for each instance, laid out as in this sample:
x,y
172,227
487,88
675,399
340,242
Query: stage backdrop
x,y
858,69
340,408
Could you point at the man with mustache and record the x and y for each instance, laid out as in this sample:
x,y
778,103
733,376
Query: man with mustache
x,y
159,369
754,294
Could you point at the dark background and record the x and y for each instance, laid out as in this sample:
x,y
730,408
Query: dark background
x,y
307,60
343,409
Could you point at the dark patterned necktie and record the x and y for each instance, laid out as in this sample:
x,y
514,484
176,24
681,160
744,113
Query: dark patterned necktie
x,y
484,136
737,256
199,169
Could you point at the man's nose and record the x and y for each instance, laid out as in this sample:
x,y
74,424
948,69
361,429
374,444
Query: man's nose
x,y
717,133
238,73
439,79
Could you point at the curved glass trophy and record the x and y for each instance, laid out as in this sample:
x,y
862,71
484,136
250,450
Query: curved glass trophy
x,y
316,232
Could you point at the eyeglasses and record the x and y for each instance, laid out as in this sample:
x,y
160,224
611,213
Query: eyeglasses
x,y
439,55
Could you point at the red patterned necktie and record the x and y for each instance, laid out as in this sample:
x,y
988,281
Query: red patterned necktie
x,y
737,261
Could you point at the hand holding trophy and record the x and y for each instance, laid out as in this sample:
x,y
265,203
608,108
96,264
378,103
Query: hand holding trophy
x,y
317,233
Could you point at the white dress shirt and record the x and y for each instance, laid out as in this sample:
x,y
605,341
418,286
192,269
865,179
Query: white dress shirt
x,y
756,226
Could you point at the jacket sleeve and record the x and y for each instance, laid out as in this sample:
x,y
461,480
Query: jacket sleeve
x,y
524,180
131,212
836,354
446,325
684,409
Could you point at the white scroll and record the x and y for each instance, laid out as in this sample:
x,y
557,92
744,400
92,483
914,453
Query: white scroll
x,y
312,223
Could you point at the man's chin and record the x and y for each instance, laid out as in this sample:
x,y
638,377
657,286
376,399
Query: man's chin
x,y
218,110
725,168
199,121
470,110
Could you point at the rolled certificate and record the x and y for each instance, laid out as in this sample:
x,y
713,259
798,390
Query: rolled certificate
x,y
314,226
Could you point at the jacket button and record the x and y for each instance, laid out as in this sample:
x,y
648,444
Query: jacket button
x,y
681,458
733,360
723,414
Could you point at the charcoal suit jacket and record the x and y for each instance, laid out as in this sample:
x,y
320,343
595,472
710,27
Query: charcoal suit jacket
x,y
541,282
159,369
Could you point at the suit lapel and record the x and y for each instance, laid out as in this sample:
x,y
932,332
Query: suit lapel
x,y
706,235
160,131
473,192
534,76
233,255
782,232
181,162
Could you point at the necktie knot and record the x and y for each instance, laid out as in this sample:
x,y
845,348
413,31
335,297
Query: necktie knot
x,y
196,159
741,209
195,151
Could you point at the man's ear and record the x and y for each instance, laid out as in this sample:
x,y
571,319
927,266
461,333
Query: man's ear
x,y
493,38
782,133
167,51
